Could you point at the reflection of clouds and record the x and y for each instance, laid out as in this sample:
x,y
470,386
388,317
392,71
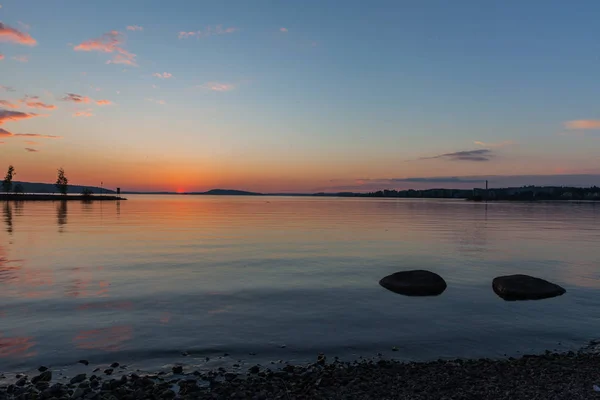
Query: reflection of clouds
x,y
82,285
7,211
16,347
17,281
61,215
165,318
107,339
220,310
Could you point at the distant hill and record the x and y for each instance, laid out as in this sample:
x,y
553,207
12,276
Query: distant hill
x,y
229,192
31,187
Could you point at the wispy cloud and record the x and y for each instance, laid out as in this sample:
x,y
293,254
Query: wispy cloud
x,y
1,56
21,58
583,124
111,42
8,34
10,116
135,28
208,31
217,86
29,149
494,145
164,75
32,142
83,113
468,155
161,102
283,30
23,25
38,104
5,133
76,98
7,88
104,102
8,104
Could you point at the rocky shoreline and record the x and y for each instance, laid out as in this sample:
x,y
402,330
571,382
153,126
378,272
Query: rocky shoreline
x,y
548,376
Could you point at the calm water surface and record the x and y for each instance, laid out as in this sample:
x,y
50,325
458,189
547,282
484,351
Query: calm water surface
x,y
143,280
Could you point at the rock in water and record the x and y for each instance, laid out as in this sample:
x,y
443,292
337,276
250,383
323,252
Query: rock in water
x,y
525,287
414,283
45,376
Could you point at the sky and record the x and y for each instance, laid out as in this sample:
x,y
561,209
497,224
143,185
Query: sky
x,y
282,96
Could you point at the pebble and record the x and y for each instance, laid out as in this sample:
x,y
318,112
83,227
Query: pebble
x,y
84,362
78,378
178,369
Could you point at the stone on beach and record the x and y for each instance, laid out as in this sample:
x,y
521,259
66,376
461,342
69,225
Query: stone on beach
x,y
525,287
414,283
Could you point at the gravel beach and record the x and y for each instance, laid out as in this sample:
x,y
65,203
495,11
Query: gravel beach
x,y
548,376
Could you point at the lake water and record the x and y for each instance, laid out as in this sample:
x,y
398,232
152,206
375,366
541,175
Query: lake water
x,y
282,278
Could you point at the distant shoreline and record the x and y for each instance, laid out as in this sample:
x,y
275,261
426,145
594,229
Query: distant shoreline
x,y
57,197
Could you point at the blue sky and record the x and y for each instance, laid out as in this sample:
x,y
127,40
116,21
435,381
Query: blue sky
x,y
302,95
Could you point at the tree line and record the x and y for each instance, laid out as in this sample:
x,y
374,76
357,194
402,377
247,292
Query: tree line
x,y
62,182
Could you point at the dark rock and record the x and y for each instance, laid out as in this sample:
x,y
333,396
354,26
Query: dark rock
x,y
45,376
167,394
108,371
78,378
42,368
42,385
84,362
254,369
321,359
178,369
525,287
114,365
22,381
414,283
230,376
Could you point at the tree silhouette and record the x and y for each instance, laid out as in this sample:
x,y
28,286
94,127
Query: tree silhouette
x,y
7,182
62,183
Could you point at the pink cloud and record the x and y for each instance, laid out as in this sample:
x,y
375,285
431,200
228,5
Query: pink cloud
x,y
38,104
22,59
5,133
104,102
208,31
8,104
1,56
218,87
583,124
76,98
110,42
85,113
6,116
8,34
164,75
29,149
135,28
283,30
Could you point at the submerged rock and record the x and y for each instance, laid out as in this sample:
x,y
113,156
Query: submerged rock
x,y
525,287
414,283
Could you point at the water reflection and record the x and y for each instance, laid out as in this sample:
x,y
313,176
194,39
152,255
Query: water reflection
x,y
61,215
16,346
106,339
8,217
82,285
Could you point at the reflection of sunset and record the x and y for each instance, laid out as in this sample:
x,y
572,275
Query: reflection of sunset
x,y
124,305
16,346
107,339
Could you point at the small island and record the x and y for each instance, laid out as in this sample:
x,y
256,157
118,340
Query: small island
x,y
27,191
